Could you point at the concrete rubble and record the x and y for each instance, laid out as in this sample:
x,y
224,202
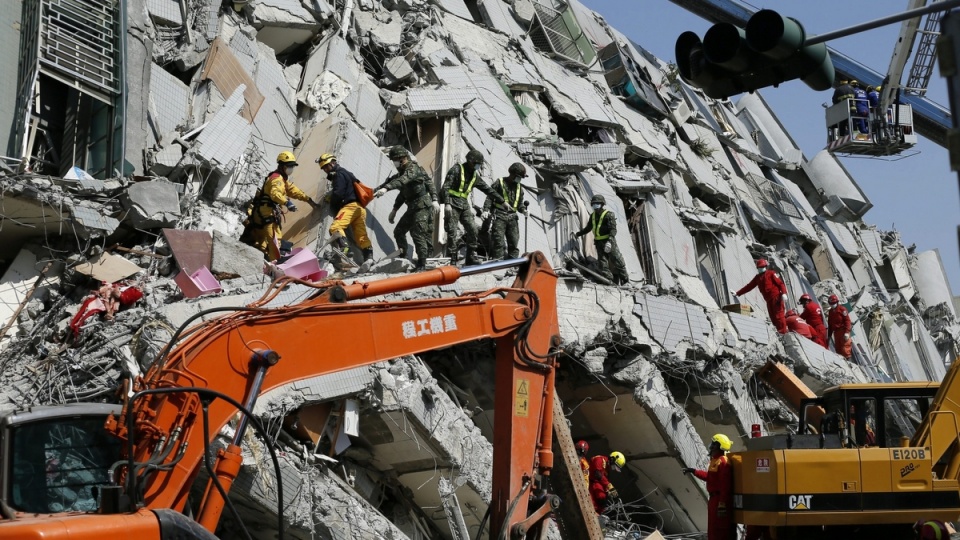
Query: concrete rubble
x,y
402,449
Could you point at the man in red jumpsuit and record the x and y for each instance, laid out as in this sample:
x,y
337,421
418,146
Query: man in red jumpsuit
x,y
773,291
719,477
798,325
601,490
582,449
838,322
814,317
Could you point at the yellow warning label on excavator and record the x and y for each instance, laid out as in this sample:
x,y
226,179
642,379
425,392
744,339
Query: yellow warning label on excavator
x,y
521,398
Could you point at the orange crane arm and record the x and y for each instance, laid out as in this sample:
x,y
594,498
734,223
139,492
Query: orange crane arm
x,y
327,334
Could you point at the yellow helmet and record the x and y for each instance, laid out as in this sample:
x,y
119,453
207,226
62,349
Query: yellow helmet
x,y
618,459
326,159
287,158
724,441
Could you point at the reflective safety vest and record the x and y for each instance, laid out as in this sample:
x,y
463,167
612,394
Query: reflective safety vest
x,y
596,225
464,193
506,198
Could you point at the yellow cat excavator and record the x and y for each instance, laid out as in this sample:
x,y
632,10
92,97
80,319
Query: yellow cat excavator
x,y
868,459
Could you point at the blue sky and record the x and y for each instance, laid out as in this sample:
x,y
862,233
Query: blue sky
x,y
916,196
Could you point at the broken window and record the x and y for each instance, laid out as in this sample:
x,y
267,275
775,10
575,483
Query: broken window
x,y
68,87
555,31
709,264
640,233
626,80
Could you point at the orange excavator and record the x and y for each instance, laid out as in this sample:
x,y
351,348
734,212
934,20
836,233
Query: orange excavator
x,y
61,477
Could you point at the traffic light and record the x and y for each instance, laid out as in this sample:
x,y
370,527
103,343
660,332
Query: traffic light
x,y
731,60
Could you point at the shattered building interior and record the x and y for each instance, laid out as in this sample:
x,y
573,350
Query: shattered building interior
x,y
139,128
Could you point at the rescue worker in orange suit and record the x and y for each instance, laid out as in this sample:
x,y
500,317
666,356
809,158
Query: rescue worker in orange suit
x,y
813,314
773,291
582,449
798,325
719,477
602,491
838,323
931,529
268,211
343,202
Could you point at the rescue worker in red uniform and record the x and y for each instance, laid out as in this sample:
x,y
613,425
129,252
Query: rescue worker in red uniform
x,y
582,449
813,314
838,322
798,325
773,291
602,491
719,477
931,529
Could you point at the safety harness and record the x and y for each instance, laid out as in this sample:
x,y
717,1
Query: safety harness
x,y
464,193
596,223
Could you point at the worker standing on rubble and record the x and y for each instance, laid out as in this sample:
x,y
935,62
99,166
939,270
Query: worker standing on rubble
x,y
268,209
798,325
719,478
505,215
420,195
346,209
602,491
582,449
773,291
603,224
838,321
813,314
454,196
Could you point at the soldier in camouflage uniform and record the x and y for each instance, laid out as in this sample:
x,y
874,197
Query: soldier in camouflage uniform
x,y
454,195
418,192
505,217
603,224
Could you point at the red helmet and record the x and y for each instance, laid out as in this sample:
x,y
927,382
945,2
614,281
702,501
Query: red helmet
x,y
833,299
804,298
582,447
761,263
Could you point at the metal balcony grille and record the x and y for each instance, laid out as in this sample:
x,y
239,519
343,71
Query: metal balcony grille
x,y
550,34
78,43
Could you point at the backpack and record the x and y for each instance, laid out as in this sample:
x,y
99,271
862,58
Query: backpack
x,y
364,193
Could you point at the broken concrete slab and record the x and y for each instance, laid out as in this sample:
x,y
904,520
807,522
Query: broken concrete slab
x,y
108,268
232,258
152,204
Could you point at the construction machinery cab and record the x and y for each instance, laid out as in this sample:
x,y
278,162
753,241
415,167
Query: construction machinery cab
x,y
56,458
868,415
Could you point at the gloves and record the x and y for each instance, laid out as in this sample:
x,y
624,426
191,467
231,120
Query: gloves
x,y
612,492
608,247
484,215
436,207
447,210
783,298
688,470
327,197
290,206
733,293
379,193
392,216
846,335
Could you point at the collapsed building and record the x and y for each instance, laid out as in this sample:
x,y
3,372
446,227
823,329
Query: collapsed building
x,y
140,128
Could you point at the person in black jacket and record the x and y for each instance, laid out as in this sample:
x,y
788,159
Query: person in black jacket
x,y
343,202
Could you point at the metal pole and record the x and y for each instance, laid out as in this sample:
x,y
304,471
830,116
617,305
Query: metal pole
x,y
883,21
526,224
